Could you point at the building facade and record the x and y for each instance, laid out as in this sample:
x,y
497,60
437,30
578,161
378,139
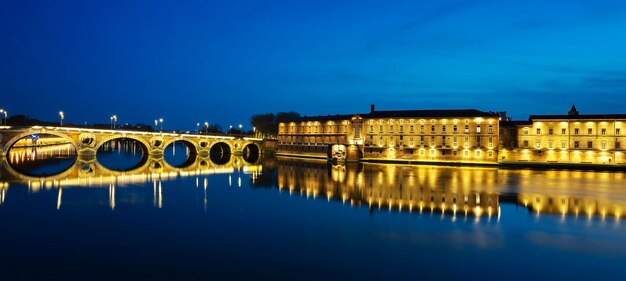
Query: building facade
x,y
571,138
467,135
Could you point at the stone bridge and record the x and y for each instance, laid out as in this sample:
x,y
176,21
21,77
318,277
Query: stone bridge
x,y
87,141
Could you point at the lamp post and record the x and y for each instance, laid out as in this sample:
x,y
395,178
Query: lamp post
x,y
230,129
240,127
161,121
198,128
113,121
206,127
62,115
2,111
254,131
156,122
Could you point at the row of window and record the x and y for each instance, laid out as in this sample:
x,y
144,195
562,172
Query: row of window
x,y
432,129
422,141
466,153
603,131
577,144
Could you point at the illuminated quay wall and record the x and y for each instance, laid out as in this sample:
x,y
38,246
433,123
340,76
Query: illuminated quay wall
x,y
468,192
572,138
420,135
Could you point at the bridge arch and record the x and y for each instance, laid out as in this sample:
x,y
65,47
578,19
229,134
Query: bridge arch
x,y
15,139
143,144
193,152
220,152
251,152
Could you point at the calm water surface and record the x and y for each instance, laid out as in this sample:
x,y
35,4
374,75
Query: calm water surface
x,y
123,216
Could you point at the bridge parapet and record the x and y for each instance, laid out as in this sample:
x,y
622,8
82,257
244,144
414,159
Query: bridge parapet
x,y
87,141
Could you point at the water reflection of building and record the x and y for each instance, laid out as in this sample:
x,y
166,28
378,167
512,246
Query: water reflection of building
x,y
403,188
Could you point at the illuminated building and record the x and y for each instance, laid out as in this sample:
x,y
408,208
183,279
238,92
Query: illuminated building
x,y
571,138
466,135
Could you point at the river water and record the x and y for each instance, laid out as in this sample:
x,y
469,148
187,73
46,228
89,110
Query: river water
x,y
124,216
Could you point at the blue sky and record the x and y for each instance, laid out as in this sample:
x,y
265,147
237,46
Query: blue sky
x,y
221,61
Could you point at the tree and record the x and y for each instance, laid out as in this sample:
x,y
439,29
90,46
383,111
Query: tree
x,y
267,123
264,123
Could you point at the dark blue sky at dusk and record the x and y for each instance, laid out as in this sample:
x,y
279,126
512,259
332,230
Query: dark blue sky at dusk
x,y
221,61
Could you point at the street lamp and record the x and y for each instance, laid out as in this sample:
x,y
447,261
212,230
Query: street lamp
x,y
2,111
62,115
198,128
113,121
230,129
240,127
206,127
156,122
161,121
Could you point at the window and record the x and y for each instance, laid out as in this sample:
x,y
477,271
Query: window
x,y
454,142
589,144
432,140
411,128
525,131
538,131
538,145
391,129
432,129
422,140
421,152
603,131
443,129
589,131
490,130
617,145
466,154
401,128
345,129
563,131
478,140
371,129
432,152
576,131
576,144
603,144
563,144
477,153
466,129
478,129
617,131
411,141
550,132
454,129
550,144
422,129
525,143
490,153
380,129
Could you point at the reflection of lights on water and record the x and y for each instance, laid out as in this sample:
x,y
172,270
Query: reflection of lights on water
x,y
59,198
112,196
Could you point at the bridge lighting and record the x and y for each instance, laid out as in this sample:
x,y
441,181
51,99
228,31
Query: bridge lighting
x,y
206,127
198,128
62,115
161,121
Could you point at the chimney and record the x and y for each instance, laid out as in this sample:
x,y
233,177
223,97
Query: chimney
x,y
372,108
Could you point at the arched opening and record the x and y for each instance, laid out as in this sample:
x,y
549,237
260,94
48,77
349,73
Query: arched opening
x,y
122,154
251,153
220,153
41,155
180,153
